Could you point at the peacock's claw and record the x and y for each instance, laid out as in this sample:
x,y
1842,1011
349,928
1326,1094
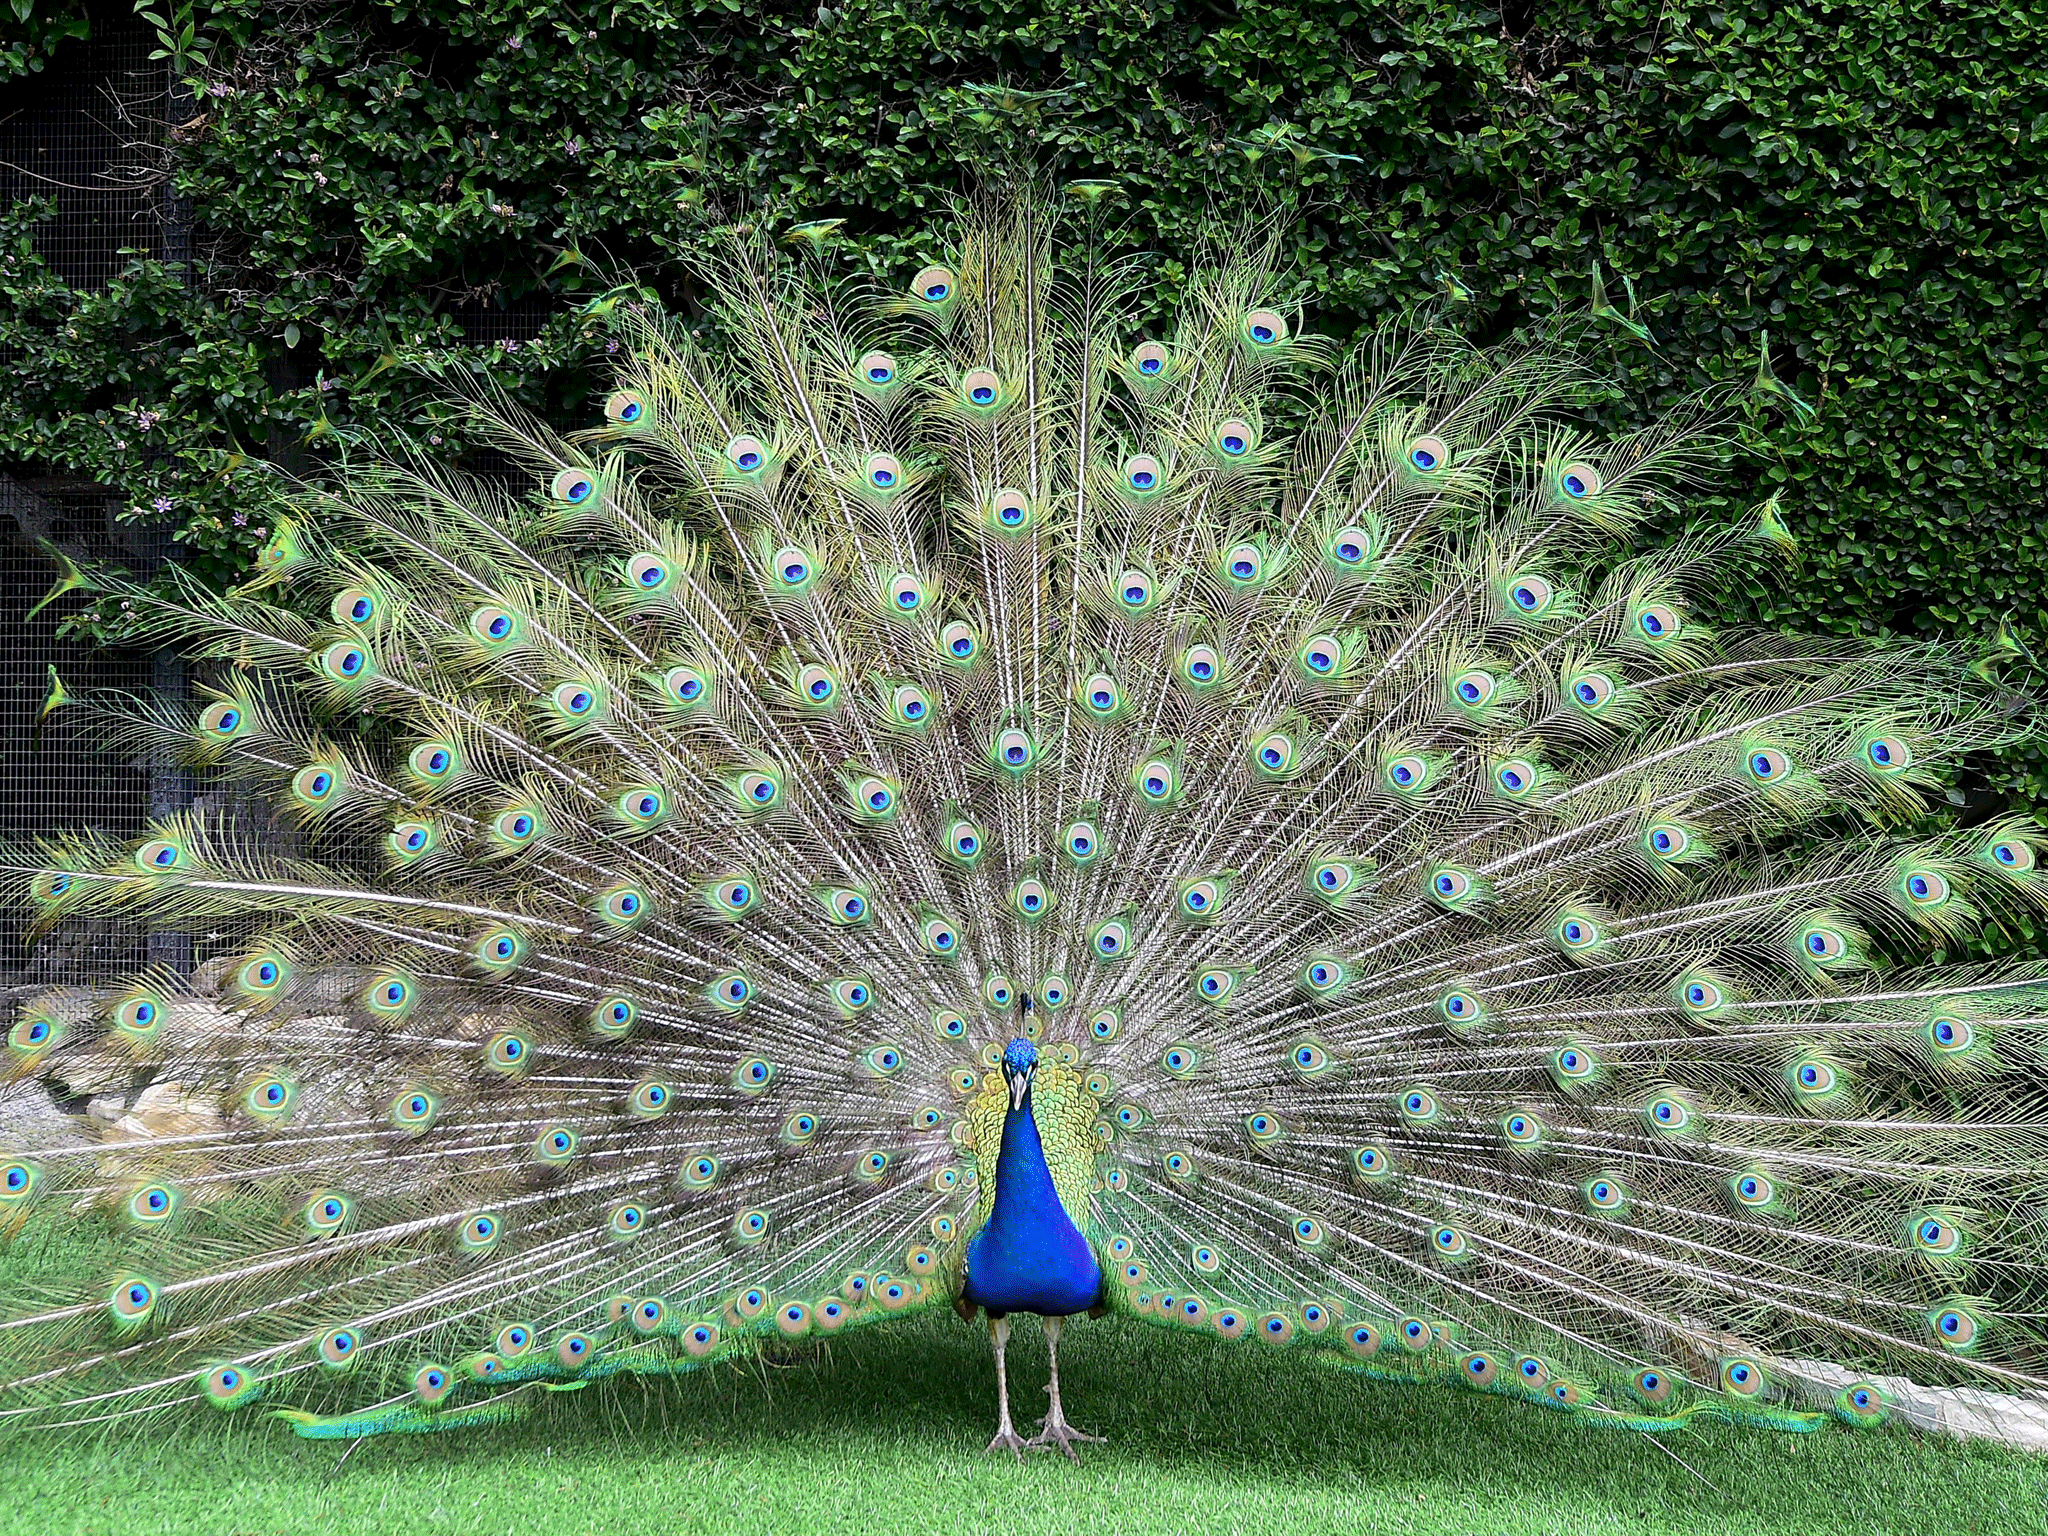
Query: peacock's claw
x,y
1056,1431
1008,1439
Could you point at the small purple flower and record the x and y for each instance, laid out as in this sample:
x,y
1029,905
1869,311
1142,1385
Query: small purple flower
x,y
612,345
320,177
218,88
435,439
162,503
144,420
326,385
241,519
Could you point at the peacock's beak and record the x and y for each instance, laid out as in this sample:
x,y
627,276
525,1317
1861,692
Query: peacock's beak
x,y
1020,1084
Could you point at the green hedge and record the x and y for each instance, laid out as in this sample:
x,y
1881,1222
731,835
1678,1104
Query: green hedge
x,y
1863,182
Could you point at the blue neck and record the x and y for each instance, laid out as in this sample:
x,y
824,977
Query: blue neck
x,y
1030,1257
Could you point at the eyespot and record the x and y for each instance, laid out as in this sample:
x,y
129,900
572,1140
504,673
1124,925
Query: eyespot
x,y
1658,623
686,686
1149,359
1925,888
1015,749
1473,689
1105,1024
1350,546
1450,886
1156,780
758,791
1578,481
1273,754
317,785
1371,1162
1460,1008
792,567
877,368
1322,655
556,1144
1100,695
1572,1064
1200,666
1667,841
1332,878
846,905
614,1017
911,705
800,1129
496,627
1243,564
963,841
1530,596
1308,1058
578,700
1142,475
222,721
1111,940
1575,932
1323,975
413,1111
1265,328
734,895
1082,842
1822,944
1030,900
508,1052
1590,691
1262,1127
650,1100
337,1347
1812,1078
1428,454
884,1060
1742,1378
479,1233
647,573
573,486
754,1074
852,993
1937,1236
1605,1194
700,1172
1766,765
1201,899
1052,991
1700,995
701,1340
933,285
1953,1328
1234,438
1667,1114
939,937
981,389
1418,1106
883,472
1515,778
627,408
1521,1128
1407,773
1448,1243
516,826
627,1220
746,454
153,1205
1887,755
2011,854
1950,1036
575,1350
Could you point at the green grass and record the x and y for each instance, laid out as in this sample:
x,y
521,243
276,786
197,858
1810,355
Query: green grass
x,y
883,1434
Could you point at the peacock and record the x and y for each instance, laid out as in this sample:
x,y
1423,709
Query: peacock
x,y
1040,796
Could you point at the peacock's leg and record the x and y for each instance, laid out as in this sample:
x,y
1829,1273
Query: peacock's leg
x,y
1006,1433
1054,1429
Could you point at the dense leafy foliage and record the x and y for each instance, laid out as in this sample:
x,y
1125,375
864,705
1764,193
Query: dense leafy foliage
x,y
1857,188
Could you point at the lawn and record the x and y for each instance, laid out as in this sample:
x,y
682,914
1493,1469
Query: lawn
x,y
883,1433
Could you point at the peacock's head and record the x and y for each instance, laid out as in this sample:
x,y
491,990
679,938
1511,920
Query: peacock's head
x,y
1020,1060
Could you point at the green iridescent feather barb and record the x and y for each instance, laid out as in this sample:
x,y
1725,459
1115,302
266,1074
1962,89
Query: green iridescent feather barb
x,y
962,797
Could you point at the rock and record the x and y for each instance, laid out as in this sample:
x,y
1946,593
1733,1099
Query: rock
x,y
171,1109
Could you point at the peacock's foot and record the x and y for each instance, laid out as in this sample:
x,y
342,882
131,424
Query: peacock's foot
x,y
1054,1430
1007,1439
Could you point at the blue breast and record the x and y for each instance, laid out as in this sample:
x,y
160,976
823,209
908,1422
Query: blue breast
x,y
1030,1257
